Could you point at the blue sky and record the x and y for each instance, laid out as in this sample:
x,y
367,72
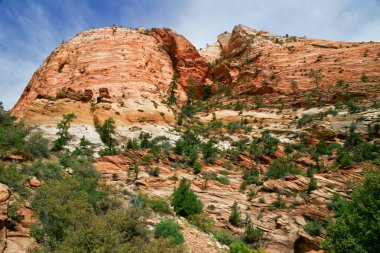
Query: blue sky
x,y
31,29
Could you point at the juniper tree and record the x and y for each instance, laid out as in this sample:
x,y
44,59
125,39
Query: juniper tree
x,y
63,131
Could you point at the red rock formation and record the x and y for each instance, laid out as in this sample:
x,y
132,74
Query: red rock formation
x,y
134,64
187,62
257,62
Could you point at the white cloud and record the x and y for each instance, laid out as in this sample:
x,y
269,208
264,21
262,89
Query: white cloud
x,y
202,20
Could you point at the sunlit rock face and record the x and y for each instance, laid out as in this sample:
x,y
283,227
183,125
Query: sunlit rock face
x,y
256,62
111,72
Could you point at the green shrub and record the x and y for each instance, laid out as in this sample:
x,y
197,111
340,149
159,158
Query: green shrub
x,y
168,228
17,138
132,144
312,184
314,228
337,204
223,180
216,124
202,221
251,194
225,236
252,235
13,213
188,145
107,151
265,145
37,233
278,203
147,159
185,201
154,171
210,151
207,92
322,148
197,168
364,78
159,205
251,176
233,126
86,148
307,118
239,247
343,159
355,230
354,108
36,146
173,87
235,215
282,167
14,179
228,92
44,171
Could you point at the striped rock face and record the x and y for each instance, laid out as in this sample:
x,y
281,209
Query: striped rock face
x,y
111,72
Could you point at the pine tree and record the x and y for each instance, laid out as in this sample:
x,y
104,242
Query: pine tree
x,y
185,201
252,235
63,131
235,216
106,132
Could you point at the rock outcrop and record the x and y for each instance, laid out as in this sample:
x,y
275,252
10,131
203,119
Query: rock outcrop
x,y
190,67
256,62
16,239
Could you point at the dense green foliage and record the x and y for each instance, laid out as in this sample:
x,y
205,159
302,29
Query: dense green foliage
x,y
282,167
312,184
251,176
14,179
76,212
185,201
210,151
78,215
19,139
314,228
265,145
188,146
168,228
357,229
239,247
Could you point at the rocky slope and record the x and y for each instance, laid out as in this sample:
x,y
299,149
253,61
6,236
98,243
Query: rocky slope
x,y
273,81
